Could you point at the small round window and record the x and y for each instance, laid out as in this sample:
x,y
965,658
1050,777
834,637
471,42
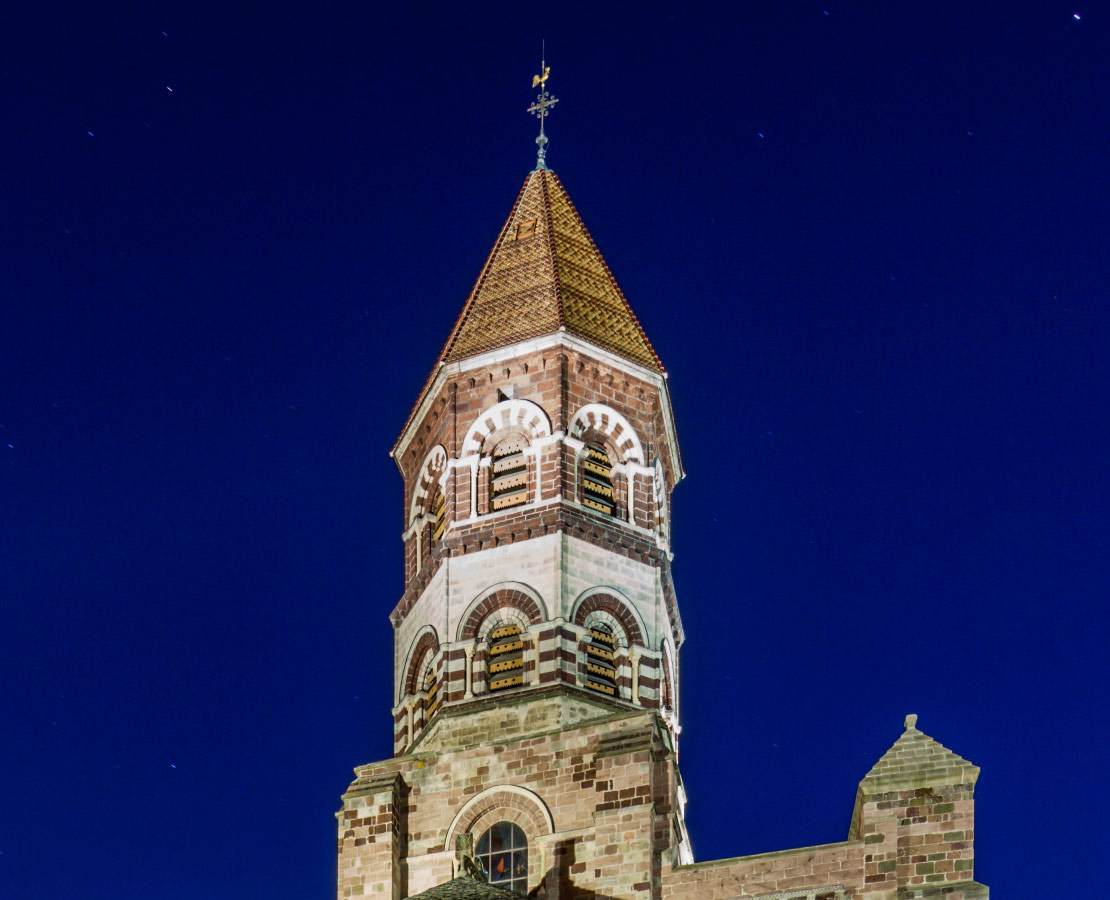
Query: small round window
x,y
503,853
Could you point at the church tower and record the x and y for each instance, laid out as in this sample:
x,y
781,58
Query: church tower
x,y
535,689
538,464
536,642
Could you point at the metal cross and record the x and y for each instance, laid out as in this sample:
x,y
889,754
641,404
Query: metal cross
x,y
541,109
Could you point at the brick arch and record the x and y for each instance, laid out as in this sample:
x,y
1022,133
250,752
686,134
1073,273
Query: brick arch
x,y
523,414
431,472
607,421
427,640
518,596
660,496
619,609
502,803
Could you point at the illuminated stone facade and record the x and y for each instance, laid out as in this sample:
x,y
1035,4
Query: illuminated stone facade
x,y
536,642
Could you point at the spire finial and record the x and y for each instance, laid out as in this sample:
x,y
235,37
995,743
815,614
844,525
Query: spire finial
x,y
541,109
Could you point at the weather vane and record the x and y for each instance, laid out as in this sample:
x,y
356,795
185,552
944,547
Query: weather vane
x,y
541,109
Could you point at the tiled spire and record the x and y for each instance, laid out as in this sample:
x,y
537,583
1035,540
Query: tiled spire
x,y
546,274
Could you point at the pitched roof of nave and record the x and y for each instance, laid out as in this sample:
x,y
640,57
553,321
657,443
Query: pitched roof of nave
x,y
544,274
916,760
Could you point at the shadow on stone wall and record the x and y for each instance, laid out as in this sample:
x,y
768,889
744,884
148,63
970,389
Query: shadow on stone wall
x,y
558,881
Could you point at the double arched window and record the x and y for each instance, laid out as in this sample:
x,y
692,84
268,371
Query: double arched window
x,y
505,660
503,852
597,480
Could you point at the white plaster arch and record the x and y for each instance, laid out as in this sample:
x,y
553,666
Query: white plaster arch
x,y
620,595
436,458
515,411
615,625
506,615
475,807
612,424
526,589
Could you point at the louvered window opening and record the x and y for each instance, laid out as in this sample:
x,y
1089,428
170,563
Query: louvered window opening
x,y
597,481
431,685
439,509
601,660
505,664
508,476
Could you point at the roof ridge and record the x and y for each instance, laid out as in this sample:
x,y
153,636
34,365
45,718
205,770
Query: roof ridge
x,y
480,280
457,327
559,308
608,271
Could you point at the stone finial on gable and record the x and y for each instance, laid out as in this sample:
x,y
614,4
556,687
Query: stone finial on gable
x,y
915,761
915,812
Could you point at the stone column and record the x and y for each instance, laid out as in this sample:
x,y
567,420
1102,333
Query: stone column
x,y
469,650
634,660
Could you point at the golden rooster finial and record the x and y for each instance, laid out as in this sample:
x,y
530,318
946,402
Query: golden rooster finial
x,y
541,109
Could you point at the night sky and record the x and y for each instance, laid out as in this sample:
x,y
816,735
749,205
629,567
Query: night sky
x,y
869,246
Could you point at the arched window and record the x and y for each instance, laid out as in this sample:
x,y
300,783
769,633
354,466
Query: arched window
x,y
439,511
659,487
597,480
431,685
503,853
668,686
505,661
601,669
508,475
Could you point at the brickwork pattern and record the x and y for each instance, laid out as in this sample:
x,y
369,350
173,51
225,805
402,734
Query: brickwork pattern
x,y
602,782
617,609
495,601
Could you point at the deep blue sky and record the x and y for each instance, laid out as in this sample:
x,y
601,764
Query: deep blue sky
x,y
870,248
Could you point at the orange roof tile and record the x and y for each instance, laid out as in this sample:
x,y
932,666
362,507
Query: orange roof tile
x,y
546,273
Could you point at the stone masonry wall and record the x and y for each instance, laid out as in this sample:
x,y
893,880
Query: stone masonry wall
x,y
822,870
554,575
917,838
597,801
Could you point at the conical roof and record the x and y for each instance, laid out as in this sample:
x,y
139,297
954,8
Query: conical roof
x,y
545,274
916,760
